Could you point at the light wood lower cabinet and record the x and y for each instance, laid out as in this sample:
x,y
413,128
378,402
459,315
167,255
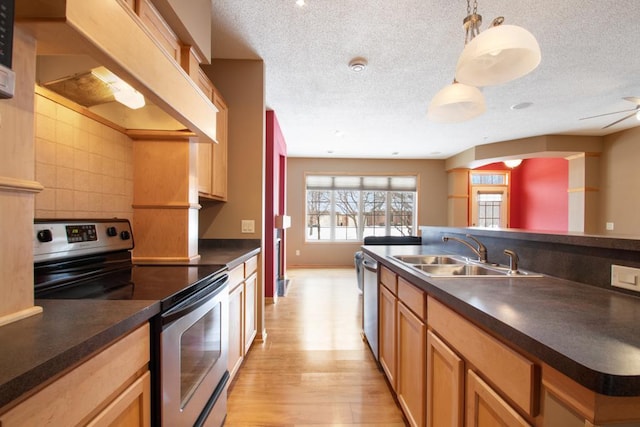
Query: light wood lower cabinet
x,y
411,365
243,308
387,346
236,339
111,388
448,372
485,407
402,343
445,385
250,309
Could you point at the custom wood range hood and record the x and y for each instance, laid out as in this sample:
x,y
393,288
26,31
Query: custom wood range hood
x,y
76,36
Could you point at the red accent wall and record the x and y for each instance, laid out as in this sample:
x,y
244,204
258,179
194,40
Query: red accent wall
x,y
539,198
544,201
275,198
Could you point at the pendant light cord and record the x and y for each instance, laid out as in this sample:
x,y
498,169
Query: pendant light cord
x,y
472,22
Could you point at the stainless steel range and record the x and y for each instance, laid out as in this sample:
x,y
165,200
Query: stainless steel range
x,y
90,259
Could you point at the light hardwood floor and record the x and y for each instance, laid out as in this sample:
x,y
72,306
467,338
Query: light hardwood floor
x,y
314,368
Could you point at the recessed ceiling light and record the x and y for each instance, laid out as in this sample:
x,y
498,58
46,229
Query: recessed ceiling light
x,y
358,65
521,106
301,3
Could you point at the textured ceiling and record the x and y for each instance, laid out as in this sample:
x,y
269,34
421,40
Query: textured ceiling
x,y
590,61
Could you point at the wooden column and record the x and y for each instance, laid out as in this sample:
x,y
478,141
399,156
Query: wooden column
x,y
584,185
458,198
17,186
165,199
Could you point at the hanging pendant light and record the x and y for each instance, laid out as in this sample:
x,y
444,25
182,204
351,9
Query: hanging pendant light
x,y
456,102
498,55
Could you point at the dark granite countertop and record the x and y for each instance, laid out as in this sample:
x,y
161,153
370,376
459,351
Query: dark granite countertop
x,y
37,349
588,333
231,252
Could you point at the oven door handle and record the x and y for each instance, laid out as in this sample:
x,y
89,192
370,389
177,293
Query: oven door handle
x,y
196,301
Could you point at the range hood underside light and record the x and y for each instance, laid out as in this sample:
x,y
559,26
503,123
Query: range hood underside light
x,y
122,91
95,93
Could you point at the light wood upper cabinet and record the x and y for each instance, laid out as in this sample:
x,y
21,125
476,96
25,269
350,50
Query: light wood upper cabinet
x,y
190,61
155,23
128,45
219,172
212,158
205,180
131,4
111,388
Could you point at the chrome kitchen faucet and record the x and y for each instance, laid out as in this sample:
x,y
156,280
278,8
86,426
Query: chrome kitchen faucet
x,y
480,251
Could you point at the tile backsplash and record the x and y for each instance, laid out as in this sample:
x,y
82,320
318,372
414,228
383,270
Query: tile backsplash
x,y
86,168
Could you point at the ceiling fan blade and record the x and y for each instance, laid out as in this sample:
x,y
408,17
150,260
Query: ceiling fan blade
x,y
633,99
607,114
618,121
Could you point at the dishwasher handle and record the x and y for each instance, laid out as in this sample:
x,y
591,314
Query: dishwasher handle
x,y
370,264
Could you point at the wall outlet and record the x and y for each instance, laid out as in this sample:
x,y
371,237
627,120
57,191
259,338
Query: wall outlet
x,y
609,226
248,226
625,277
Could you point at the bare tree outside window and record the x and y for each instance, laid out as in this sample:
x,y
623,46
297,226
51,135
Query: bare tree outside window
x,y
347,212
374,213
318,211
402,212
350,208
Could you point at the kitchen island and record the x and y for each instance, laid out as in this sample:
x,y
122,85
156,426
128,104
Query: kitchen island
x,y
576,344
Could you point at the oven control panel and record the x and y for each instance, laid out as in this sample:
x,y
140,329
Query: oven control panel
x,y
54,238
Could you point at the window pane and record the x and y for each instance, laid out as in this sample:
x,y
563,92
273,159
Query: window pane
x,y
349,208
489,210
401,217
347,211
488,179
318,215
374,213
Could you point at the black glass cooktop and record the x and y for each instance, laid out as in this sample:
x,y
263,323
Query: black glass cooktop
x,y
166,283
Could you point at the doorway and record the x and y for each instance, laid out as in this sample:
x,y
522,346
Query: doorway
x,y
489,199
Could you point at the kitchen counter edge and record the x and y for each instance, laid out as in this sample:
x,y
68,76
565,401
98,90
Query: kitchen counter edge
x,y
599,381
39,349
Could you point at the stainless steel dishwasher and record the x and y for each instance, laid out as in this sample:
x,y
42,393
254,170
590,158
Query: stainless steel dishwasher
x,y
370,303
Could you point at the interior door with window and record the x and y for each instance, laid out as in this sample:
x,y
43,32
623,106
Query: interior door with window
x,y
489,206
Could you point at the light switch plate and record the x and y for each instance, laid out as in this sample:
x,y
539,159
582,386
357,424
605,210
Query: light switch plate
x,y
625,277
7,82
248,226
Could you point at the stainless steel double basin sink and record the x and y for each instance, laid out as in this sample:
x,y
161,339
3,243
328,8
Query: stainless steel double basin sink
x,y
457,266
